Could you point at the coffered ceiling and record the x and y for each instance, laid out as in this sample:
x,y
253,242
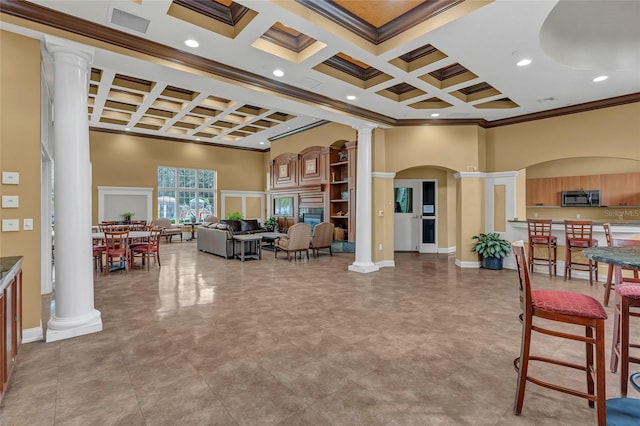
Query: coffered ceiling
x,y
384,63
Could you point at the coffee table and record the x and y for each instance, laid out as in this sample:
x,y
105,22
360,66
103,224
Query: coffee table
x,y
248,240
269,238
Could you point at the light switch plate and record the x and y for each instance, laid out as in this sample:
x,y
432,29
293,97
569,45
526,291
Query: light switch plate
x,y
10,225
10,178
10,201
27,224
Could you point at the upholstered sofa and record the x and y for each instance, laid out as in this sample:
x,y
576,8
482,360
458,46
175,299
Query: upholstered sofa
x,y
217,238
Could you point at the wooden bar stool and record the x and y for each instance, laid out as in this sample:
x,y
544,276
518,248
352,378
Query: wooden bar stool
x,y
611,242
567,308
579,236
540,237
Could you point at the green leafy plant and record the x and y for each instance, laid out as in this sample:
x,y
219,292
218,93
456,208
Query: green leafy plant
x,y
491,245
127,215
235,216
271,223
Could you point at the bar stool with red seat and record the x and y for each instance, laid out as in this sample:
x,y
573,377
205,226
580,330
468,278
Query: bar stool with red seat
x,y
579,236
567,308
540,237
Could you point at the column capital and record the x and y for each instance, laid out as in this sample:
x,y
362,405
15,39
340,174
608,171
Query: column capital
x,y
465,175
365,128
55,45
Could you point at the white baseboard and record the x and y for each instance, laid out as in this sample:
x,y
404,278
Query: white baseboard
x,y
386,264
34,334
468,264
447,250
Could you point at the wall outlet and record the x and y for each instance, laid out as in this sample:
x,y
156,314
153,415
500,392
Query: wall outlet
x,y
27,224
380,246
578,216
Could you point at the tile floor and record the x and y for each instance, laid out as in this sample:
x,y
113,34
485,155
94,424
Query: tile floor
x,y
206,341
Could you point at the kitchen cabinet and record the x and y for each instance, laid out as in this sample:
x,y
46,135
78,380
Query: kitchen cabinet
x,y
587,182
544,191
10,317
622,189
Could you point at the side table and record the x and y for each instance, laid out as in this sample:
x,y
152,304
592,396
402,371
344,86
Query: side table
x,y
249,240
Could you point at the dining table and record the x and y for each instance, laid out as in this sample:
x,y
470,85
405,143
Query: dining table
x,y
627,257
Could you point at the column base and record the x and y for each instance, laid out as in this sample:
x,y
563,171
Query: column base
x,y
363,268
66,328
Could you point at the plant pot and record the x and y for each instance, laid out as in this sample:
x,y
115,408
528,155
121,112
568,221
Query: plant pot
x,y
492,263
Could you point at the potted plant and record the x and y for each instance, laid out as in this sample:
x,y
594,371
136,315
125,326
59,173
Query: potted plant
x,y
492,248
270,224
235,216
127,216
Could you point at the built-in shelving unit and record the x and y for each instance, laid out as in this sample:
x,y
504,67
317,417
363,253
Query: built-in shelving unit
x,y
342,189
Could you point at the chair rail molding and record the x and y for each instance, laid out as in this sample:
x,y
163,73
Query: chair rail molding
x,y
115,200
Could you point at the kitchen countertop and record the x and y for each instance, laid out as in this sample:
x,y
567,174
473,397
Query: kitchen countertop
x,y
9,266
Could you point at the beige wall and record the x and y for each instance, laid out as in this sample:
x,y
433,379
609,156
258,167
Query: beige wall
x,y
608,132
583,167
324,135
125,160
451,147
20,152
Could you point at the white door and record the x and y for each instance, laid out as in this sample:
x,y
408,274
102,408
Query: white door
x,y
415,215
406,215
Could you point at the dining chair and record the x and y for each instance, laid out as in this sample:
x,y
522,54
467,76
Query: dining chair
x,y
149,249
578,236
540,238
562,307
117,250
627,298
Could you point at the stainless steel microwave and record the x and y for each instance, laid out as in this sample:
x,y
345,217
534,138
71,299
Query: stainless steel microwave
x,y
579,198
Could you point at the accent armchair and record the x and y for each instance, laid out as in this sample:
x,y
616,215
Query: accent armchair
x,y
322,237
297,240
168,230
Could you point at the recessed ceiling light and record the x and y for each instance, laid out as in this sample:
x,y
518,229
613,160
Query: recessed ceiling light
x,y
191,43
127,129
523,62
262,143
435,114
278,73
197,139
600,78
351,97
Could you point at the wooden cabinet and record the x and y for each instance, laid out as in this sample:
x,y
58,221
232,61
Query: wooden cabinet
x,y
10,317
587,182
544,191
622,189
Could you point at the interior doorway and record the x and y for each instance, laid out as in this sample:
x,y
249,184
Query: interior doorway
x,y
415,215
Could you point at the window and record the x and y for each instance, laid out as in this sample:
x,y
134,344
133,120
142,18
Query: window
x,y
283,206
186,195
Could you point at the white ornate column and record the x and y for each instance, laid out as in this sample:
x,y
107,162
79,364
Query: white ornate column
x,y
363,262
75,314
